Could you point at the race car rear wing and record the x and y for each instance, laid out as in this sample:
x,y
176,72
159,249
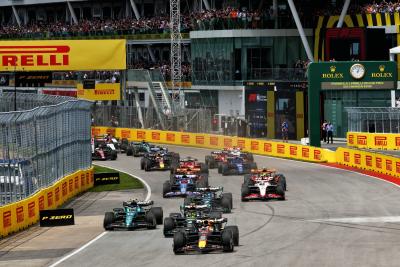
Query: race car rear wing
x,y
210,189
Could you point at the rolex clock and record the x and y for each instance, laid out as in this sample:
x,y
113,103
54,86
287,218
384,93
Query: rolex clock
x,y
357,71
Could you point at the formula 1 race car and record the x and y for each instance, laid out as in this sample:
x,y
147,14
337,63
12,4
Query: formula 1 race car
x,y
103,152
190,165
186,219
207,235
218,157
134,214
159,161
213,198
139,149
183,185
236,165
263,184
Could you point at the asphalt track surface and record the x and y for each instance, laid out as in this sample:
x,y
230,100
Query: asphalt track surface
x,y
331,217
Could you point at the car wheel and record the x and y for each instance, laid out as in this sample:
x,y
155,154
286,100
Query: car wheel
x,y
158,213
227,241
151,220
228,196
226,204
235,233
280,191
244,192
108,219
129,151
166,188
169,225
179,242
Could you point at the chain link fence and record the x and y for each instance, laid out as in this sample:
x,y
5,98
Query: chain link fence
x,y
41,145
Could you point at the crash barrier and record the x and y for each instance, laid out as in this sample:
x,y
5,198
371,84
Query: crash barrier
x,y
40,146
256,146
383,141
371,161
19,215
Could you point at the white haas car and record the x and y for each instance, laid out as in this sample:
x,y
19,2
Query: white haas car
x,y
263,184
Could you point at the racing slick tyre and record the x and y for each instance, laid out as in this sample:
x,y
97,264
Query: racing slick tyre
x,y
147,165
253,165
136,152
172,178
166,188
226,204
129,151
151,220
225,170
204,168
215,215
114,155
175,215
247,178
244,192
280,191
229,196
227,241
220,167
142,161
235,233
169,225
179,242
282,180
108,220
158,213
208,161
205,179
250,157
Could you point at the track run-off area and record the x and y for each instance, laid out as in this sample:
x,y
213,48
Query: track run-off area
x,y
331,217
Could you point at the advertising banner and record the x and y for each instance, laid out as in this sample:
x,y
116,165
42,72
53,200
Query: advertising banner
x,y
106,178
59,217
56,55
383,141
101,91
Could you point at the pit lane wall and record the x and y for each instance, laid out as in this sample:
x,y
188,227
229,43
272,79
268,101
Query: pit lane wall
x,y
371,161
382,141
19,215
256,146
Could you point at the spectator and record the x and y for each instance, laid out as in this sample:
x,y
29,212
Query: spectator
x,y
323,130
329,129
285,131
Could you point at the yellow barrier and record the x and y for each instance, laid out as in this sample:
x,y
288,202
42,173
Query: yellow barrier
x,y
370,161
17,216
261,147
374,140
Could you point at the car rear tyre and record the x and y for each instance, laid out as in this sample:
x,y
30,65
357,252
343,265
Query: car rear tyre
x,y
166,188
280,191
129,151
244,192
169,225
225,169
114,155
158,213
226,204
229,196
235,233
151,220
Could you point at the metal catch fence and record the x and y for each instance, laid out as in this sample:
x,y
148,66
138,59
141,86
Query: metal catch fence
x,y
374,119
41,145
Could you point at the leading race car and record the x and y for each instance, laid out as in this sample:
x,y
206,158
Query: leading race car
x,y
213,198
263,185
237,165
190,165
159,161
185,220
207,235
134,214
183,185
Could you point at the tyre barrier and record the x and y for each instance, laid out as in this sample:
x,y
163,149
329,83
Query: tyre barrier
x,y
20,215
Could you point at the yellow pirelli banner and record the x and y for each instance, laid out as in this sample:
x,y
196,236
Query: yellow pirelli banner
x,y
56,55
384,141
102,91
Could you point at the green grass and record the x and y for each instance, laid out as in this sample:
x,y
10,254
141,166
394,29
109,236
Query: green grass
x,y
126,181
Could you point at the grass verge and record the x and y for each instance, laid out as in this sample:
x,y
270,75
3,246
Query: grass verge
x,y
126,181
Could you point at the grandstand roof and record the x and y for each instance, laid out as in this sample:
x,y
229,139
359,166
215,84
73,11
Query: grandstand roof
x,y
34,2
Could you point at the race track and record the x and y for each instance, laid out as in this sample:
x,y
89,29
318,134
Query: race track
x,y
331,217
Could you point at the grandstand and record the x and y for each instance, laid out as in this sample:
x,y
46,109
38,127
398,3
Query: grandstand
x,y
244,62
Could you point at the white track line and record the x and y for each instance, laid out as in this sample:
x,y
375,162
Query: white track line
x,y
148,196
78,250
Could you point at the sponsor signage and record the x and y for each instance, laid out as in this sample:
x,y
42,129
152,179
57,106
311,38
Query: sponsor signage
x,y
4,79
101,91
59,217
32,79
106,178
89,84
59,55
